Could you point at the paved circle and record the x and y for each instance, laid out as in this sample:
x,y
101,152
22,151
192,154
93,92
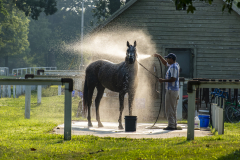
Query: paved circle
x,y
110,129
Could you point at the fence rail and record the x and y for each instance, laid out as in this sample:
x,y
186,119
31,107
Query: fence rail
x,y
217,109
68,97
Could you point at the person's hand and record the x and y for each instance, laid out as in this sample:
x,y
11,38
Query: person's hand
x,y
160,80
155,55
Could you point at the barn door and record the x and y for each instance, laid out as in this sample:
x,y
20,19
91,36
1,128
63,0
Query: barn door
x,y
185,60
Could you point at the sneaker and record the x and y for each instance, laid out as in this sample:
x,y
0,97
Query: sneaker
x,y
169,128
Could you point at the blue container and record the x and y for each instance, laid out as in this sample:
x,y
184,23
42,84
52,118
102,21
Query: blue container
x,y
204,120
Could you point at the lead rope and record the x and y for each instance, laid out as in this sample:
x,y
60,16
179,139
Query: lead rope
x,y
156,89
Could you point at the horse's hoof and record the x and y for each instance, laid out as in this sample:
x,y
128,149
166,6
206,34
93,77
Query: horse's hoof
x,y
100,125
120,127
90,125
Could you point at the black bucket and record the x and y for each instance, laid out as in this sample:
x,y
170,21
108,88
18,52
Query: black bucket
x,y
130,123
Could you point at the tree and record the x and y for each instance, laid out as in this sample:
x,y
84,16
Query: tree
x,y
105,8
114,5
190,8
14,33
34,8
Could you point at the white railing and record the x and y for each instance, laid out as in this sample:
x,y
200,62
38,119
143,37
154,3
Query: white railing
x,y
4,71
29,70
68,97
217,109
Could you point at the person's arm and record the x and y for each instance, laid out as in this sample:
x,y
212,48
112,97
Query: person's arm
x,y
161,58
172,79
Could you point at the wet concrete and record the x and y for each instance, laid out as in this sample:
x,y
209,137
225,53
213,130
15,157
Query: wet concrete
x,y
110,129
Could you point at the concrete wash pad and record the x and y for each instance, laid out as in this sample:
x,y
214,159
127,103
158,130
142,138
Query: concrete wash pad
x,y
110,129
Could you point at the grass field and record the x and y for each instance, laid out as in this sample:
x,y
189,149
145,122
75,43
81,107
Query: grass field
x,y
32,138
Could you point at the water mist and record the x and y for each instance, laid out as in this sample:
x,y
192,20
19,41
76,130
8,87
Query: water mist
x,y
111,45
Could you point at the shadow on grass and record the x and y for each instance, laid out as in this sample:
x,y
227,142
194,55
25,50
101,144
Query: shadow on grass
x,y
234,155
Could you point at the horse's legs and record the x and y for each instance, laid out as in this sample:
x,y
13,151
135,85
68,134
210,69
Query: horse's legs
x,y
121,101
130,102
90,94
100,92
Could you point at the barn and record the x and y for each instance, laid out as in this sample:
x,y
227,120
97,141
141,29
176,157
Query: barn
x,y
206,42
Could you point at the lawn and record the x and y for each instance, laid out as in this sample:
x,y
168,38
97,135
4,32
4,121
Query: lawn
x,y
33,138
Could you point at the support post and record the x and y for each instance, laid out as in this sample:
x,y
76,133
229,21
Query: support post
x,y
14,91
59,90
179,107
39,94
67,113
27,101
191,113
3,91
9,91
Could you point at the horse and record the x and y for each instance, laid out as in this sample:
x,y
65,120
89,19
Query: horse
x,y
121,78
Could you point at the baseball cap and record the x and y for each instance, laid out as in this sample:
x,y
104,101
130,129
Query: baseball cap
x,y
171,55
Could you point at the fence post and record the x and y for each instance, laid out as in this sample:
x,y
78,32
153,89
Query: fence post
x,y
9,91
59,90
27,101
67,113
191,113
179,107
39,94
3,91
14,93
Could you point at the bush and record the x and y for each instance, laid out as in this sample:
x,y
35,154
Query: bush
x,y
49,91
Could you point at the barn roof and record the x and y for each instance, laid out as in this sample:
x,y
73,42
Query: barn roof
x,y
130,3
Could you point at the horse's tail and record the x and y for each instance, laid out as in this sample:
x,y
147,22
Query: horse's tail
x,y
85,96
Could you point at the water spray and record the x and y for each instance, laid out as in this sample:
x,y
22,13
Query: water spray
x,y
152,127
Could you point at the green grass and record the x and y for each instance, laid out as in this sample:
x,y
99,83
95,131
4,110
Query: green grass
x,y
18,135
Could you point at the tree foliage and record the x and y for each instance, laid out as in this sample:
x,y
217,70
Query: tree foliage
x,y
14,32
190,8
105,8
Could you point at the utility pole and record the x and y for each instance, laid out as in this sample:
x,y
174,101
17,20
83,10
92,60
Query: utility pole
x,y
82,24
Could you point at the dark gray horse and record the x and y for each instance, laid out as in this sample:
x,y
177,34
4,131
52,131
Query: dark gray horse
x,y
121,78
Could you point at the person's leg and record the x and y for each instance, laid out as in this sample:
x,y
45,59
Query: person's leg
x,y
175,94
172,109
167,100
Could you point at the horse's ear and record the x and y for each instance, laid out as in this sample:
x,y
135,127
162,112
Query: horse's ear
x,y
135,44
128,44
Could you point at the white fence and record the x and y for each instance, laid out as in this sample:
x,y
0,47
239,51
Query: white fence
x,y
15,92
217,109
4,71
30,70
68,99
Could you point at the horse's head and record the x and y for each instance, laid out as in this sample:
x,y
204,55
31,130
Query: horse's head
x,y
131,54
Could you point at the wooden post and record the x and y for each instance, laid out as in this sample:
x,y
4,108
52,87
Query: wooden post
x,y
179,107
191,110
27,101
67,113
4,91
14,93
223,114
39,94
59,90
9,91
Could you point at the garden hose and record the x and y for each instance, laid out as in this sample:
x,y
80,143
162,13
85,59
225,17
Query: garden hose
x,y
152,127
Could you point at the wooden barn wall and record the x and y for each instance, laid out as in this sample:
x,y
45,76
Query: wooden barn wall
x,y
214,35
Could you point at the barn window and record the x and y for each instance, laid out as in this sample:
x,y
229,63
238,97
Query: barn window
x,y
180,6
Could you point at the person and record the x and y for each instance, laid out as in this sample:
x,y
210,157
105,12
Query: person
x,y
172,86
